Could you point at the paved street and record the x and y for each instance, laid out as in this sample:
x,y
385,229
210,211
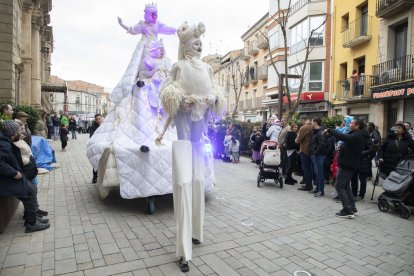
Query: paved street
x,y
248,230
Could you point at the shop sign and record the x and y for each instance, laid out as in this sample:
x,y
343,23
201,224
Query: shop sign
x,y
313,107
306,97
393,93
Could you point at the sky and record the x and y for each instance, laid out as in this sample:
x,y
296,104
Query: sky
x,y
89,44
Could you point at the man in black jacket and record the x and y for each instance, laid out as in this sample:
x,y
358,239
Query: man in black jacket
x,y
92,129
13,182
349,160
319,151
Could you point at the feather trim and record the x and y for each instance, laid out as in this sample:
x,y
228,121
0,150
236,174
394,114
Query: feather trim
x,y
171,96
220,100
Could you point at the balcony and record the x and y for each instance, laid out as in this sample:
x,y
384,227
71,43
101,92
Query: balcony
x,y
394,71
358,32
387,8
253,49
247,105
262,72
244,55
240,107
297,6
262,42
354,90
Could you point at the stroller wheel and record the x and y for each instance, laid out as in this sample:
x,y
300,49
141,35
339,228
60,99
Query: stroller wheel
x,y
405,213
259,179
383,205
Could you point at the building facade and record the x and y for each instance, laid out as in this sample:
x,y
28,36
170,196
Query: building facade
x,y
354,52
230,77
82,98
392,88
26,41
309,41
277,54
255,55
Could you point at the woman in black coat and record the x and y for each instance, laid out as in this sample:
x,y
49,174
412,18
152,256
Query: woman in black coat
x,y
292,147
395,147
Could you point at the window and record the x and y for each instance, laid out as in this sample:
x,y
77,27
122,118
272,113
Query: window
x,y
51,97
401,40
315,76
300,33
345,22
364,20
274,40
318,28
295,83
77,101
254,98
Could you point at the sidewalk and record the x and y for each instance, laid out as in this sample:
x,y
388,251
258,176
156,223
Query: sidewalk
x,y
248,230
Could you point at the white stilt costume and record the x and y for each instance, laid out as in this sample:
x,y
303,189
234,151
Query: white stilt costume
x,y
190,97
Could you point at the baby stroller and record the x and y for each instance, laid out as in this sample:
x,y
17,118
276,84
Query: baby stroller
x,y
269,163
399,186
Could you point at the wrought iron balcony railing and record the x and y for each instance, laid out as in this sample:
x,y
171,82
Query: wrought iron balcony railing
x,y
387,8
393,71
358,32
354,89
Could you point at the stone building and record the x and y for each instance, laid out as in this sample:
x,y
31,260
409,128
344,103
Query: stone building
x,y
82,98
26,44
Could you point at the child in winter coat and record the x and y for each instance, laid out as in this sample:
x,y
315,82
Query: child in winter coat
x,y
235,148
63,136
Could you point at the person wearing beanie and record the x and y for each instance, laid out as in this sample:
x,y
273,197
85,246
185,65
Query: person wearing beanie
x,y
395,146
190,97
13,182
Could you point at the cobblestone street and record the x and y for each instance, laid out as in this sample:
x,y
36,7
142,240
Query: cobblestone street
x,y
248,230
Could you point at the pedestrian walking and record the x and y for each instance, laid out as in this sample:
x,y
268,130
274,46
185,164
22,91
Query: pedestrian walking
x,y
63,131
72,127
56,126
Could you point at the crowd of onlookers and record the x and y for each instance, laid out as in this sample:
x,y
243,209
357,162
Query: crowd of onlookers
x,y
343,156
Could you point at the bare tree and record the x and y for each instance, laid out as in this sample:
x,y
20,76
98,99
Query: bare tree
x,y
281,19
236,82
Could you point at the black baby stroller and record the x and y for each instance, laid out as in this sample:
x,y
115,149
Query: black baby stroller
x,y
269,163
398,188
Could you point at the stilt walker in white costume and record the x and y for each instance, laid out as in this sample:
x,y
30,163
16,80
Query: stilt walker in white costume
x,y
190,97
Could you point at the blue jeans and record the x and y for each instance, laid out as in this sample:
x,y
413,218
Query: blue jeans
x,y
307,169
318,161
56,132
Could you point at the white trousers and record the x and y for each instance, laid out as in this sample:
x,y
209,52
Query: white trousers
x,y
188,188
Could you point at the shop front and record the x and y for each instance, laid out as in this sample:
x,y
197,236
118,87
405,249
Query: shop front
x,y
398,101
312,104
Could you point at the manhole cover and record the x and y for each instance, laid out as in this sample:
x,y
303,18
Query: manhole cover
x,y
247,222
220,197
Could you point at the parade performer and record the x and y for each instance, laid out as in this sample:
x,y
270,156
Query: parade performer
x,y
190,97
133,121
